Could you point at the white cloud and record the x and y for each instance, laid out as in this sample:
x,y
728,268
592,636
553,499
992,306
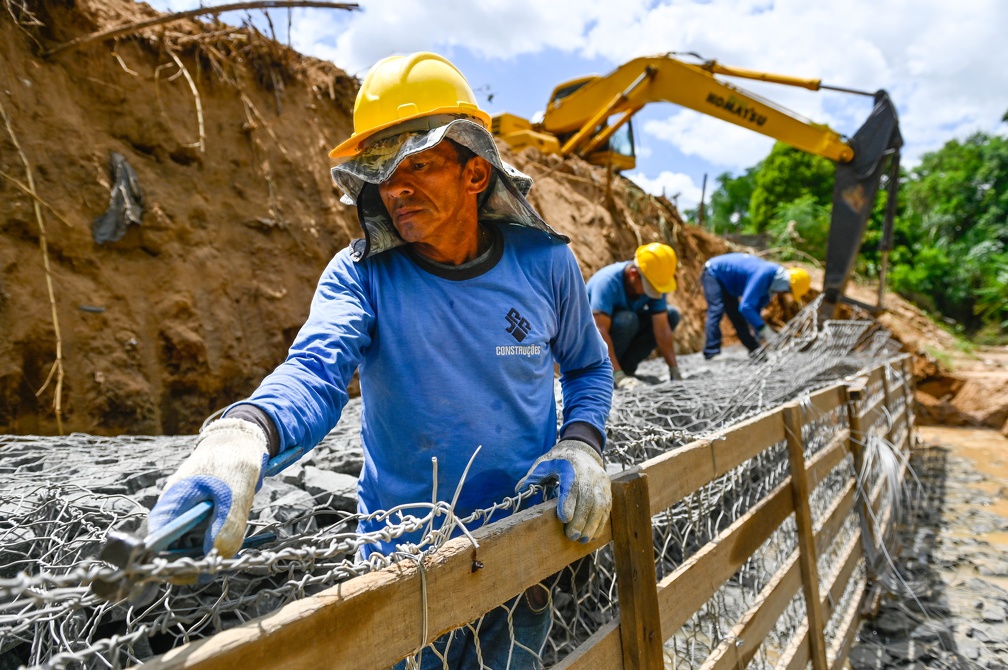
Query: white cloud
x,y
711,139
675,186
940,61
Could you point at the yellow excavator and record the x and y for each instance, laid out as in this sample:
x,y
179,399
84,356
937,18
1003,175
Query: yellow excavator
x,y
590,117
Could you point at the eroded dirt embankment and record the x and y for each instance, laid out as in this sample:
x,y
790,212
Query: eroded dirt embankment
x,y
192,307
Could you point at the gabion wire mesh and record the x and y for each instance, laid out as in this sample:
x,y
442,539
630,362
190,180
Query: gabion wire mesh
x,y
60,496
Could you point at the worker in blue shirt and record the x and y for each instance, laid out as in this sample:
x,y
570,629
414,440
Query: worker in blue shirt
x,y
454,308
740,285
630,310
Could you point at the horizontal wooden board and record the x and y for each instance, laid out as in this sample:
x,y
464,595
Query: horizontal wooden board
x,y
601,650
683,592
374,620
676,474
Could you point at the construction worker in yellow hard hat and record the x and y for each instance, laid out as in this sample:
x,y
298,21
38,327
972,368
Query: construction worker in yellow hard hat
x,y
631,311
453,307
740,285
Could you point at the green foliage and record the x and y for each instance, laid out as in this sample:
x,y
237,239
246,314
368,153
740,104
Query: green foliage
x,y
784,176
729,203
800,228
957,210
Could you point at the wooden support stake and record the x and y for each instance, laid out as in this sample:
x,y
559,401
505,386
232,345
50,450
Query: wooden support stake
x,y
633,546
806,537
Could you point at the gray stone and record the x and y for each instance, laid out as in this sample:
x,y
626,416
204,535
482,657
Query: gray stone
x,y
993,613
866,656
970,648
891,622
332,489
908,650
933,632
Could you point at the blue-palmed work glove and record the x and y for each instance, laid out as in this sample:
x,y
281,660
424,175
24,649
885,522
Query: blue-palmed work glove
x,y
226,468
585,494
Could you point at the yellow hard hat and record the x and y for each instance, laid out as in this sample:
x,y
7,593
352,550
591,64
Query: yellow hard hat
x,y
402,88
800,282
658,263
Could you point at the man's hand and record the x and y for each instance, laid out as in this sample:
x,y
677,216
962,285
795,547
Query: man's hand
x,y
585,494
673,373
766,334
226,468
622,380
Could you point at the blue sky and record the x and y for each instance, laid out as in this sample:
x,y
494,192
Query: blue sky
x,y
943,63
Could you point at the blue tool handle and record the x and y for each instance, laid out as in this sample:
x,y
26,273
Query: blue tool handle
x,y
169,533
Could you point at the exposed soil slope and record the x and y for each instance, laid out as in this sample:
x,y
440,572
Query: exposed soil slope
x,y
193,306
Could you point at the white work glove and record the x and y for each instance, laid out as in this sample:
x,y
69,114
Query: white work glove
x,y
585,495
622,380
226,468
766,334
673,373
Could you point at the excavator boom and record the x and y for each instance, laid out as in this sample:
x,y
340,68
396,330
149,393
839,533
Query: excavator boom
x,y
691,86
578,121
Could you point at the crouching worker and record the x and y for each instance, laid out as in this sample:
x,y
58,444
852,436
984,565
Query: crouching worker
x,y
629,307
454,308
740,286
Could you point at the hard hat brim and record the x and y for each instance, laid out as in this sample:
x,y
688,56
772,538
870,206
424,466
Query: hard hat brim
x,y
504,203
356,143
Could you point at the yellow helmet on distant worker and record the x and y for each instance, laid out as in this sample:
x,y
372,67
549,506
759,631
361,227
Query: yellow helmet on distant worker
x,y
658,264
800,282
402,88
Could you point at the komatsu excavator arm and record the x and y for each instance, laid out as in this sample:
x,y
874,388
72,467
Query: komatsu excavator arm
x,y
584,114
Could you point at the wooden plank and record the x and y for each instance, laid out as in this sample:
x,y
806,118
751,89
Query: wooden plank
x,y
806,538
601,650
745,639
857,388
846,632
835,518
910,399
633,549
683,592
825,400
374,620
847,562
676,474
826,459
797,654
871,413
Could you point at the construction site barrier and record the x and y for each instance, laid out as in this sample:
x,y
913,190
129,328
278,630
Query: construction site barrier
x,y
377,619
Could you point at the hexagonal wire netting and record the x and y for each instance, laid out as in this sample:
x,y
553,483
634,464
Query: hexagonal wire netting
x,y
60,495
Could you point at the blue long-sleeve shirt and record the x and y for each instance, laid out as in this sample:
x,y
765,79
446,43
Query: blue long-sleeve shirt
x,y
748,278
450,360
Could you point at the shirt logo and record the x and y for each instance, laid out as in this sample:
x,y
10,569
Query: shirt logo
x,y
519,326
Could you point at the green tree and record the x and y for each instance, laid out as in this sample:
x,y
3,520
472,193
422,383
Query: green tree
x,y
784,176
957,213
729,203
799,228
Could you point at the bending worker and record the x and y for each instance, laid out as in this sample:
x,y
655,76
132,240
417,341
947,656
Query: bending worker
x,y
628,305
453,307
740,285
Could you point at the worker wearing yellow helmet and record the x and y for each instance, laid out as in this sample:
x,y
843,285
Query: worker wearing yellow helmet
x,y
454,307
739,286
629,305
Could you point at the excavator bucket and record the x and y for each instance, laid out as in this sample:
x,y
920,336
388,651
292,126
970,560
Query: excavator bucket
x,y
876,147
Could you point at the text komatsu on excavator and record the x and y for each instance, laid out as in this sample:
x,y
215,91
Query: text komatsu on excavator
x,y
590,117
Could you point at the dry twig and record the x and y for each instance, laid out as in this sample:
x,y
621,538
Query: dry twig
x,y
196,97
17,182
140,25
57,366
